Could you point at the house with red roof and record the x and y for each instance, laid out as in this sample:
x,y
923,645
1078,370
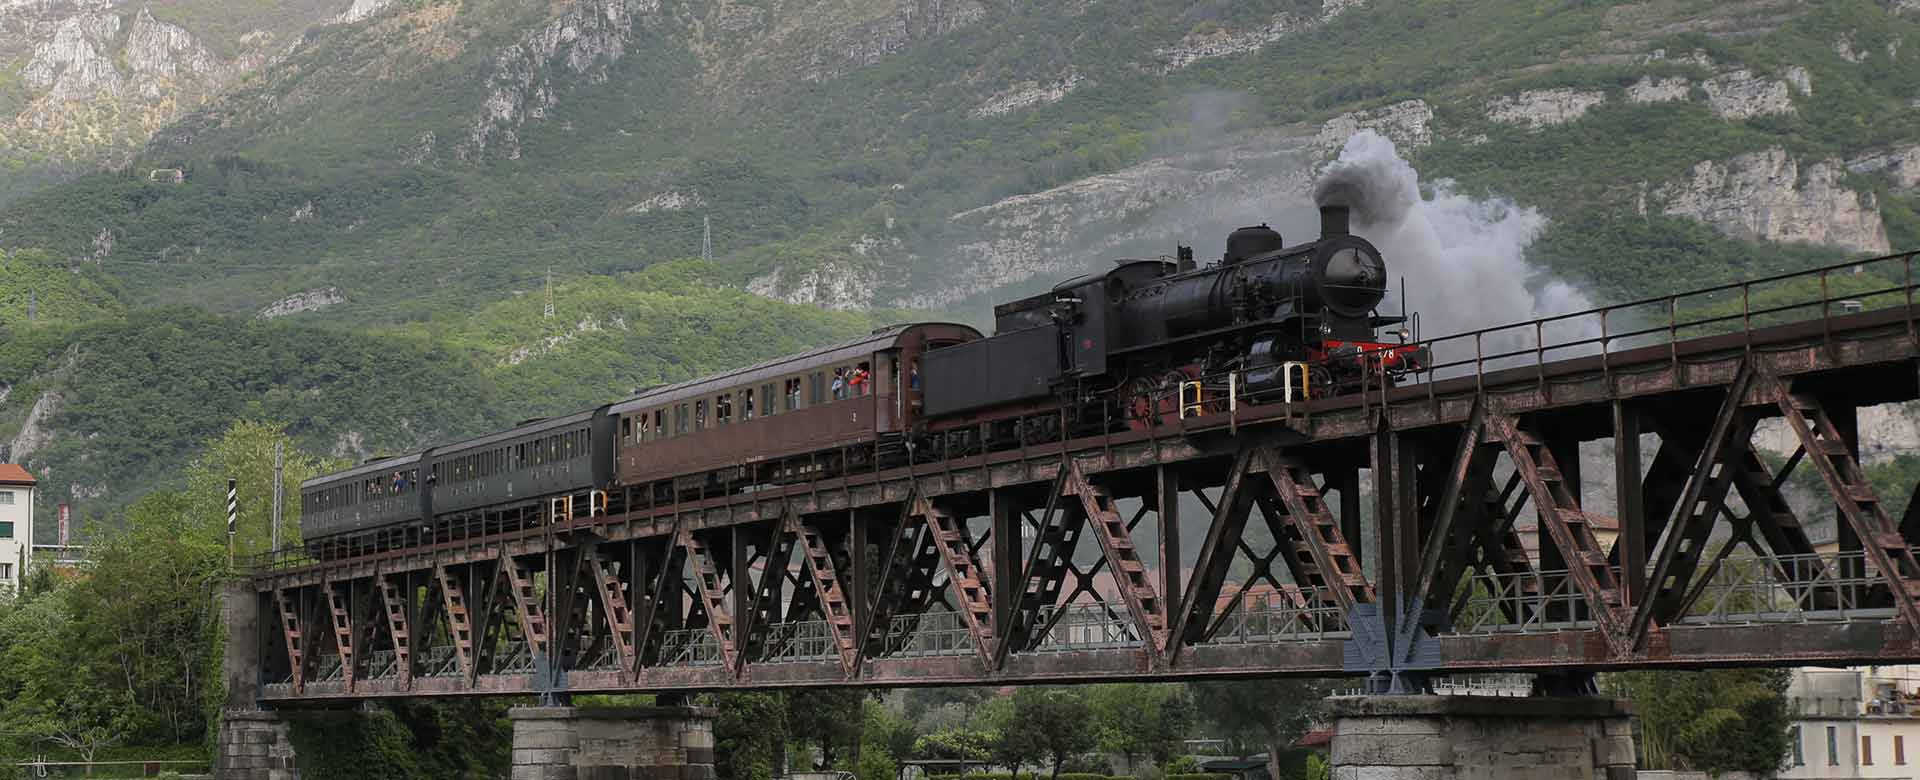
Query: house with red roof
x,y
16,524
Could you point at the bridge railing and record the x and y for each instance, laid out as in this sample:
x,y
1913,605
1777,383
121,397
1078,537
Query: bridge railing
x,y
928,634
800,641
1087,626
690,647
1274,617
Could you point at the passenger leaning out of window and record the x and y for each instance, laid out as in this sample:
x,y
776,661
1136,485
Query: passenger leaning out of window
x,y
859,380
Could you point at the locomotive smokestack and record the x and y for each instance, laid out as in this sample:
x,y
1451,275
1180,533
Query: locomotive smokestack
x,y
1333,220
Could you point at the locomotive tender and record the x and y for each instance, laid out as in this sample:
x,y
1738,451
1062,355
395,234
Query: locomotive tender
x,y
1120,348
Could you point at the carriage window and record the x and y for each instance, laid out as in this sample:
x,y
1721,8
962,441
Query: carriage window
x,y
700,415
626,427
769,401
680,419
746,404
816,388
723,409
659,423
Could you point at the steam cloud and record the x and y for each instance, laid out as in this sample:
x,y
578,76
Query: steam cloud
x,y
1460,261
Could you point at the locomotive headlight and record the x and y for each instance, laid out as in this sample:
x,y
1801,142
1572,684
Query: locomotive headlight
x,y
1404,335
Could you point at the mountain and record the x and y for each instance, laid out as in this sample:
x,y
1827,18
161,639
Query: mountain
x,y
404,177
85,83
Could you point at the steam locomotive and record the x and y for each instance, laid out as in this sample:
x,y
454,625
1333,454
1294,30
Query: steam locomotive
x,y
1136,334
1130,347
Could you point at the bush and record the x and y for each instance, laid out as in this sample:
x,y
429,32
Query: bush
x,y
875,764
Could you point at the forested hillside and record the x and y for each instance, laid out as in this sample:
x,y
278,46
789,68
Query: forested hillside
x,y
364,216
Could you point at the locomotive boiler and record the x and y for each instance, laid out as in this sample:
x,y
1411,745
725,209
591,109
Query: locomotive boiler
x,y
1121,344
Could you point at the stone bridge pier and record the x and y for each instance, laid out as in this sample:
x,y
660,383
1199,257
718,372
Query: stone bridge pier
x,y
612,743
1481,738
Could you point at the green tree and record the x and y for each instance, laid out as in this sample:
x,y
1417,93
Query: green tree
x,y
146,618
875,764
1266,713
1043,724
748,734
244,453
1141,719
52,697
885,730
1723,720
830,719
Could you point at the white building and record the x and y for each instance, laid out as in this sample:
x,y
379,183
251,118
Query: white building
x,y
1855,723
16,524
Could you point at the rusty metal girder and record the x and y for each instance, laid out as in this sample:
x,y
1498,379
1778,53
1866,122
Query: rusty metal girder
x,y
459,620
1123,559
1335,571
526,603
713,597
1195,613
1830,454
964,575
1570,528
612,592
830,593
397,602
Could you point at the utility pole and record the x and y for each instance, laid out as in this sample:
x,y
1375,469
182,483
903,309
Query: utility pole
x,y
549,307
279,491
706,239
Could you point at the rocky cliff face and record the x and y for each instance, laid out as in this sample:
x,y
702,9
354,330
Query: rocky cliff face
x,y
1540,108
306,300
98,77
582,43
1771,196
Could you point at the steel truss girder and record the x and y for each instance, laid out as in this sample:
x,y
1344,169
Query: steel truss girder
x,y
1569,527
1037,583
1831,454
1122,559
1195,613
964,574
712,593
396,600
1321,551
612,593
829,592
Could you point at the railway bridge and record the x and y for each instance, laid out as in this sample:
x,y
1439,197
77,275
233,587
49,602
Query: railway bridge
x,y
1562,496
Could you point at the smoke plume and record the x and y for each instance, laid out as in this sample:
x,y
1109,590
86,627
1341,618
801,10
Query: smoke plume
x,y
1460,261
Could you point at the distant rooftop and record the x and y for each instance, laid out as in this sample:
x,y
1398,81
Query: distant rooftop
x,y
11,474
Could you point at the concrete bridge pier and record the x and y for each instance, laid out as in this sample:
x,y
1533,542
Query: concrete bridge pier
x,y
612,743
1481,738
254,745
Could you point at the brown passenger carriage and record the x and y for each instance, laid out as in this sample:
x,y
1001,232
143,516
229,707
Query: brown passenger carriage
x,y
780,421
